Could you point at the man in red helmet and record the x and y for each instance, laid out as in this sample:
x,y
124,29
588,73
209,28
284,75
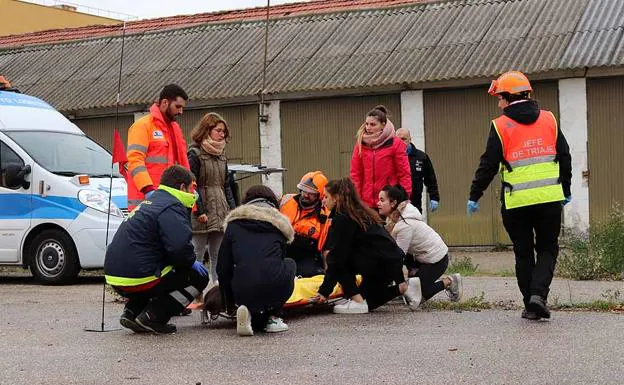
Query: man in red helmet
x,y
529,149
309,220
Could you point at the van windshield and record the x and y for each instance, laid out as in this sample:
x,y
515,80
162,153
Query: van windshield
x,y
66,154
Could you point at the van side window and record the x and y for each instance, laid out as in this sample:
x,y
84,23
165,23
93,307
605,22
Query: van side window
x,y
7,157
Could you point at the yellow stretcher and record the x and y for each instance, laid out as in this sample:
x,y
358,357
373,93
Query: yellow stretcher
x,y
307,288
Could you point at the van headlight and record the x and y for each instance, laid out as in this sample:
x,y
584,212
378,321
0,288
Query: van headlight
x,y
97,200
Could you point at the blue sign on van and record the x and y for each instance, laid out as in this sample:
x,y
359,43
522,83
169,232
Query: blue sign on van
x,y
20,100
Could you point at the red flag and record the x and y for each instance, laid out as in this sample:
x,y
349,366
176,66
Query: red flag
x,y
119,154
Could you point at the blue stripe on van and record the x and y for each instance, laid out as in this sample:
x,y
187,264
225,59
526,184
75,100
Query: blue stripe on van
x,y
16,206
14,99
120,201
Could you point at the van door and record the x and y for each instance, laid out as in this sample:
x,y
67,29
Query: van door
x,y
15,207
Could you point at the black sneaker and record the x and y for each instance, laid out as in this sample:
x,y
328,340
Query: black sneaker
x,y
530,315
537,305
149,322
128,320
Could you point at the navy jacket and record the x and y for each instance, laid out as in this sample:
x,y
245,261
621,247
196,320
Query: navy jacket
x,y
156,234
422,171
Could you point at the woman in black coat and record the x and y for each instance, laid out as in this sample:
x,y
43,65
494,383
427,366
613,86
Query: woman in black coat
x,y
359,244
253,271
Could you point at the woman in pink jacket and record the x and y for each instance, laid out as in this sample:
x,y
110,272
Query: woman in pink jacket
x,y
379,157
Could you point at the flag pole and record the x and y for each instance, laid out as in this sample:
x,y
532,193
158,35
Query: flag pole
x,y
110,184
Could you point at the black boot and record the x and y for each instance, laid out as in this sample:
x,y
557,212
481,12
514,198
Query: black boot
x,y
537,305
150,322
530,315
128,320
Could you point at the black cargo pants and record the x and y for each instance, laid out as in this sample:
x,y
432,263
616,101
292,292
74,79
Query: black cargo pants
x,y
534,231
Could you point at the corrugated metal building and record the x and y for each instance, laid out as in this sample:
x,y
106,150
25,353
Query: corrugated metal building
x,y
429,62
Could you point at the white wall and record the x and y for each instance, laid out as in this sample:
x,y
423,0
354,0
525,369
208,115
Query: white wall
x,y
413,118
271,146
573,120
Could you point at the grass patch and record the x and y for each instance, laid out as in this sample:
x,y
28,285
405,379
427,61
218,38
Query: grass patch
x,y
506,273
596,254
599,305
501,273
463,266
477,303
612,302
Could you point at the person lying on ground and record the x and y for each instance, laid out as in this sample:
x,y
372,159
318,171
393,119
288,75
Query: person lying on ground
x,y
151,261
360,245
426,253
252,269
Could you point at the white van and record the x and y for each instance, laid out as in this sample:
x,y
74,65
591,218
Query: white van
x,y
54,192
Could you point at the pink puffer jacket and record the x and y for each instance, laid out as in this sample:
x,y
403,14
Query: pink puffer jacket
x,y
374,169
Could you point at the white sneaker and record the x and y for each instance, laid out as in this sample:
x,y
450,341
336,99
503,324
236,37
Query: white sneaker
x,y
351,307
243,321
413,293
456,290
275,325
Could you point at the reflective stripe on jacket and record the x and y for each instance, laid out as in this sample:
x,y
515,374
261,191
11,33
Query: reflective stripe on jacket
x,y
124,281
530,172
153,145
152,240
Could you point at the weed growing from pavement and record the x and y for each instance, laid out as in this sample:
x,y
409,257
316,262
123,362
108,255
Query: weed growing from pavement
x,y
498,247
502,273
599,305
597,254
612,303
476,303
463,266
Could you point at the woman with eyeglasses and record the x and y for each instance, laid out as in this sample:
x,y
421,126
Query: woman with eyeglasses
x,y
209,165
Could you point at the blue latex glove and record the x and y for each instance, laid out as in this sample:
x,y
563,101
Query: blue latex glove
x,y
472,207
567,200
433,205
200,269
149,194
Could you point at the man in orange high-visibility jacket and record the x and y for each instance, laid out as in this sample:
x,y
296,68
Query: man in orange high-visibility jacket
x,y
308,218
534,160
155,142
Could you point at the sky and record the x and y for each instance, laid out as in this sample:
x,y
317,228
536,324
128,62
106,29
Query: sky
x,y
144,9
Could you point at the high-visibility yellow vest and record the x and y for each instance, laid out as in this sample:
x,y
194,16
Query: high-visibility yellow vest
x,y
530,172
124,281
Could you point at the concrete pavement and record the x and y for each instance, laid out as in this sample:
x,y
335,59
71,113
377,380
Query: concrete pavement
x,y
43,342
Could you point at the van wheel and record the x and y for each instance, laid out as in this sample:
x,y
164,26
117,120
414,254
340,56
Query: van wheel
x,y
53,258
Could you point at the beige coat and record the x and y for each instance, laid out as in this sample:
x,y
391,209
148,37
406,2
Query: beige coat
x,y
211,182
414,236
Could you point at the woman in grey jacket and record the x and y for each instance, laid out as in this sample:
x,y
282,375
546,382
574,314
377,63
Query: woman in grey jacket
x,y
208,162
423,247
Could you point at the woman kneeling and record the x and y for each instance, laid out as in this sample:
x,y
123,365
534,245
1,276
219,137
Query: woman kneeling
x,y
252,270
425,250
358,244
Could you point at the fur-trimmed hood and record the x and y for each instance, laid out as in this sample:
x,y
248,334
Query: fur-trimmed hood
x,y
265,213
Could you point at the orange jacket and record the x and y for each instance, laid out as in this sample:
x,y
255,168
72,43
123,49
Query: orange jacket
x,y
153,145
306,223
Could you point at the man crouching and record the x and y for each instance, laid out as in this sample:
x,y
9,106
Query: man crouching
x,y
151,261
